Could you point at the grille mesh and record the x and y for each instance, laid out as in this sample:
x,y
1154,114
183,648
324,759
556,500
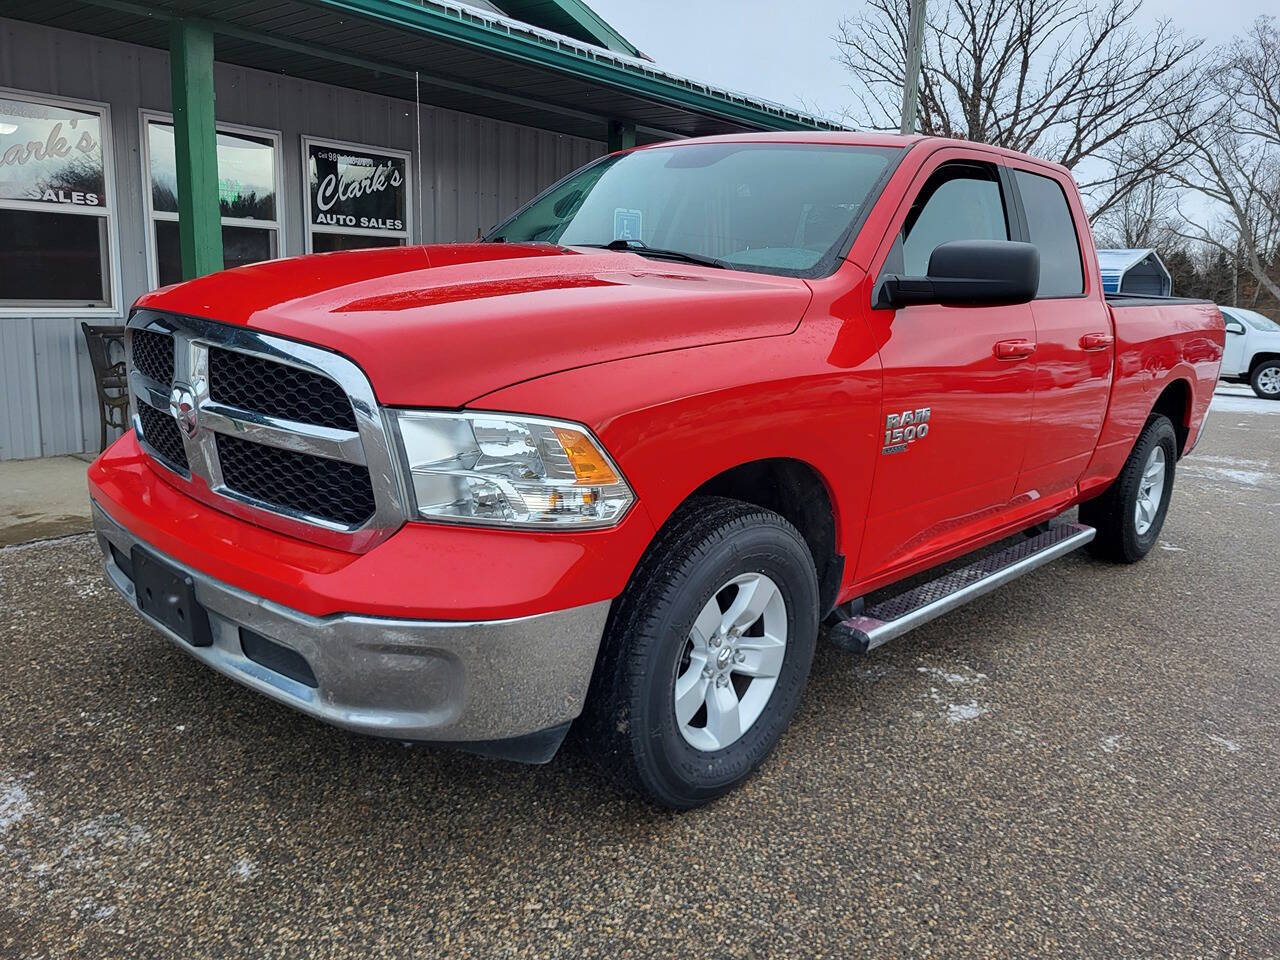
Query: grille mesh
x,y
331,489
253,383
153,355
161,431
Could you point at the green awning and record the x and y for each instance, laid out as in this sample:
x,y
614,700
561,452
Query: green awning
x,y
450,54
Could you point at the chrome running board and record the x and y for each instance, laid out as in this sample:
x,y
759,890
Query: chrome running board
x,y
895,616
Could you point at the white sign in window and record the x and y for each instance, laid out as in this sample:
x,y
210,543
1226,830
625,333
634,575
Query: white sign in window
x,y
357,196
248,195
57,233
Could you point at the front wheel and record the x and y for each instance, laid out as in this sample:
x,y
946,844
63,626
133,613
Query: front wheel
x,y
706,653
1130,513
1265,380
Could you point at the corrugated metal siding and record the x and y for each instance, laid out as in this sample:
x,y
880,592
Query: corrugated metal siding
x,y
473,171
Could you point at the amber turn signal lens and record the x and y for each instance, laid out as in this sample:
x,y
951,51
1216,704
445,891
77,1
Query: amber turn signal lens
x,y
589,464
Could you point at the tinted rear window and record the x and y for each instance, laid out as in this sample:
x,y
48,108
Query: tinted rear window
x,y
1053,232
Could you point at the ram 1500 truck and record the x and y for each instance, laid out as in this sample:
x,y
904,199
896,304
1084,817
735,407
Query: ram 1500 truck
x,y
617,462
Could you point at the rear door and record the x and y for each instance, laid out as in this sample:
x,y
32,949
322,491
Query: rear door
x,y
1075,341
954,416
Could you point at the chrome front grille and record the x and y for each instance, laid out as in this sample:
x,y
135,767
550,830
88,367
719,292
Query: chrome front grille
x,y
252,383
153,354
284,434
163,437
296,481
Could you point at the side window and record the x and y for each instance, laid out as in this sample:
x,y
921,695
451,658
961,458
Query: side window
x,y
959,202
1054,233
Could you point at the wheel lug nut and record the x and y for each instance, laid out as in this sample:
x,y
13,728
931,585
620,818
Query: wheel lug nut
x,y
713,642
739,657
707,671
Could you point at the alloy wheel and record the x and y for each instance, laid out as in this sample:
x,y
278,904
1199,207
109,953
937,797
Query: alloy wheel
x,y
731,661
1150,490
1269,381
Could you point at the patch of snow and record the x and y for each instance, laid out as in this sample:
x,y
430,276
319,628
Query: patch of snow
x,y
964,712
15,804
1111,744
1166,545
1223,403
1230,461
953,678
1229,745
1249,478
96,910
180,727
958,712
1253,478
244,868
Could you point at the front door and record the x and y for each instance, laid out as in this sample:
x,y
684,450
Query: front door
x,y
1233,352
957,382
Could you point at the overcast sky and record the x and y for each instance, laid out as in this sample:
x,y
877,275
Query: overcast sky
x,y
783,50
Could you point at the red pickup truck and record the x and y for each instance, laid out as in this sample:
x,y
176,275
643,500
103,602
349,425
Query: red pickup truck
x,y
617,462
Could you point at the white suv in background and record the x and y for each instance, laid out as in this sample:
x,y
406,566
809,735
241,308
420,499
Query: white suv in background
x,y
1252,353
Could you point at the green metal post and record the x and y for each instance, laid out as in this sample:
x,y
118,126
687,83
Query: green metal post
x,y
196,146
621,135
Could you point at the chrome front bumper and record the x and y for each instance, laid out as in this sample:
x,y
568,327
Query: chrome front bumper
x,y
466,683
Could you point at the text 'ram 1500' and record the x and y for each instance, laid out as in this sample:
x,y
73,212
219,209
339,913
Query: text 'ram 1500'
x,y
615,464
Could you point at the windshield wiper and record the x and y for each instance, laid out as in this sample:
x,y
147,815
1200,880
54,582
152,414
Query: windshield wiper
x,y
642,248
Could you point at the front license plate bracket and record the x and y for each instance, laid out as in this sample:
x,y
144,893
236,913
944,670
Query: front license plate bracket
x,y
168,595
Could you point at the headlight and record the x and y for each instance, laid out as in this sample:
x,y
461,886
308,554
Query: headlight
x,y
494,469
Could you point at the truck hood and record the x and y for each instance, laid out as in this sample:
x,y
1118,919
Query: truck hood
x,y
442,325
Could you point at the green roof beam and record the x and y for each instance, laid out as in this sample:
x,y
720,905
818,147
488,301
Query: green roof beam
x,y
196,148
622,136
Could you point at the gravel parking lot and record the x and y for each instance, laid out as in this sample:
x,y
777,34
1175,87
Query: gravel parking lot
x,y
1082,764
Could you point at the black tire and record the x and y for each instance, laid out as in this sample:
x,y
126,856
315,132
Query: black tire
x,y
1272,369
1113,513
630,719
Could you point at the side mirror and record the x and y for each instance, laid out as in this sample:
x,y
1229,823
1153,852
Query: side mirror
x,y
968,273
1234,326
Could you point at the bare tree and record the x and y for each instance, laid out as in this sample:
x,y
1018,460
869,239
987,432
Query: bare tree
x,y
1235,155
1146,216
1068,80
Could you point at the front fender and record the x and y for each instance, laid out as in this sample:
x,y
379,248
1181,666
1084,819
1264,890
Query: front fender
x,y
674,420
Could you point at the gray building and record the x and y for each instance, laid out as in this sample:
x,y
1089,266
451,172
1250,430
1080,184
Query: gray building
x,y
334,125
1133,271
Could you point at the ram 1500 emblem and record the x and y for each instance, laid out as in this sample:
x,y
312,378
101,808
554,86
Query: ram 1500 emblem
x,y
903,429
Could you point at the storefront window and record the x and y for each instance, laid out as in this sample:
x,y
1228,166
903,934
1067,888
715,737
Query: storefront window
x,y
248,174
356,196
55,205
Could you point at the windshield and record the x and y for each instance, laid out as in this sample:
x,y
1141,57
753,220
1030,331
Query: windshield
x,y
1258,321
768,207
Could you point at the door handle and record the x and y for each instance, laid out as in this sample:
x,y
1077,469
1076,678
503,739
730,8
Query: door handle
x,y
1014,349
1097,341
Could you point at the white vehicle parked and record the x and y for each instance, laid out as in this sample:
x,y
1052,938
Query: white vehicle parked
x,y
1252,353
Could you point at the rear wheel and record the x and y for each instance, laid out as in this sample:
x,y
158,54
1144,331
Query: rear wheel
x,y
706,653
1265,380
1130,513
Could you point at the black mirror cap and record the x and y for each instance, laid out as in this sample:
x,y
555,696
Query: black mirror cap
x,y
968,273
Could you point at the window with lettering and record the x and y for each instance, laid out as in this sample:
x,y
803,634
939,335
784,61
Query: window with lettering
x,y
248,178
357,196
55,205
